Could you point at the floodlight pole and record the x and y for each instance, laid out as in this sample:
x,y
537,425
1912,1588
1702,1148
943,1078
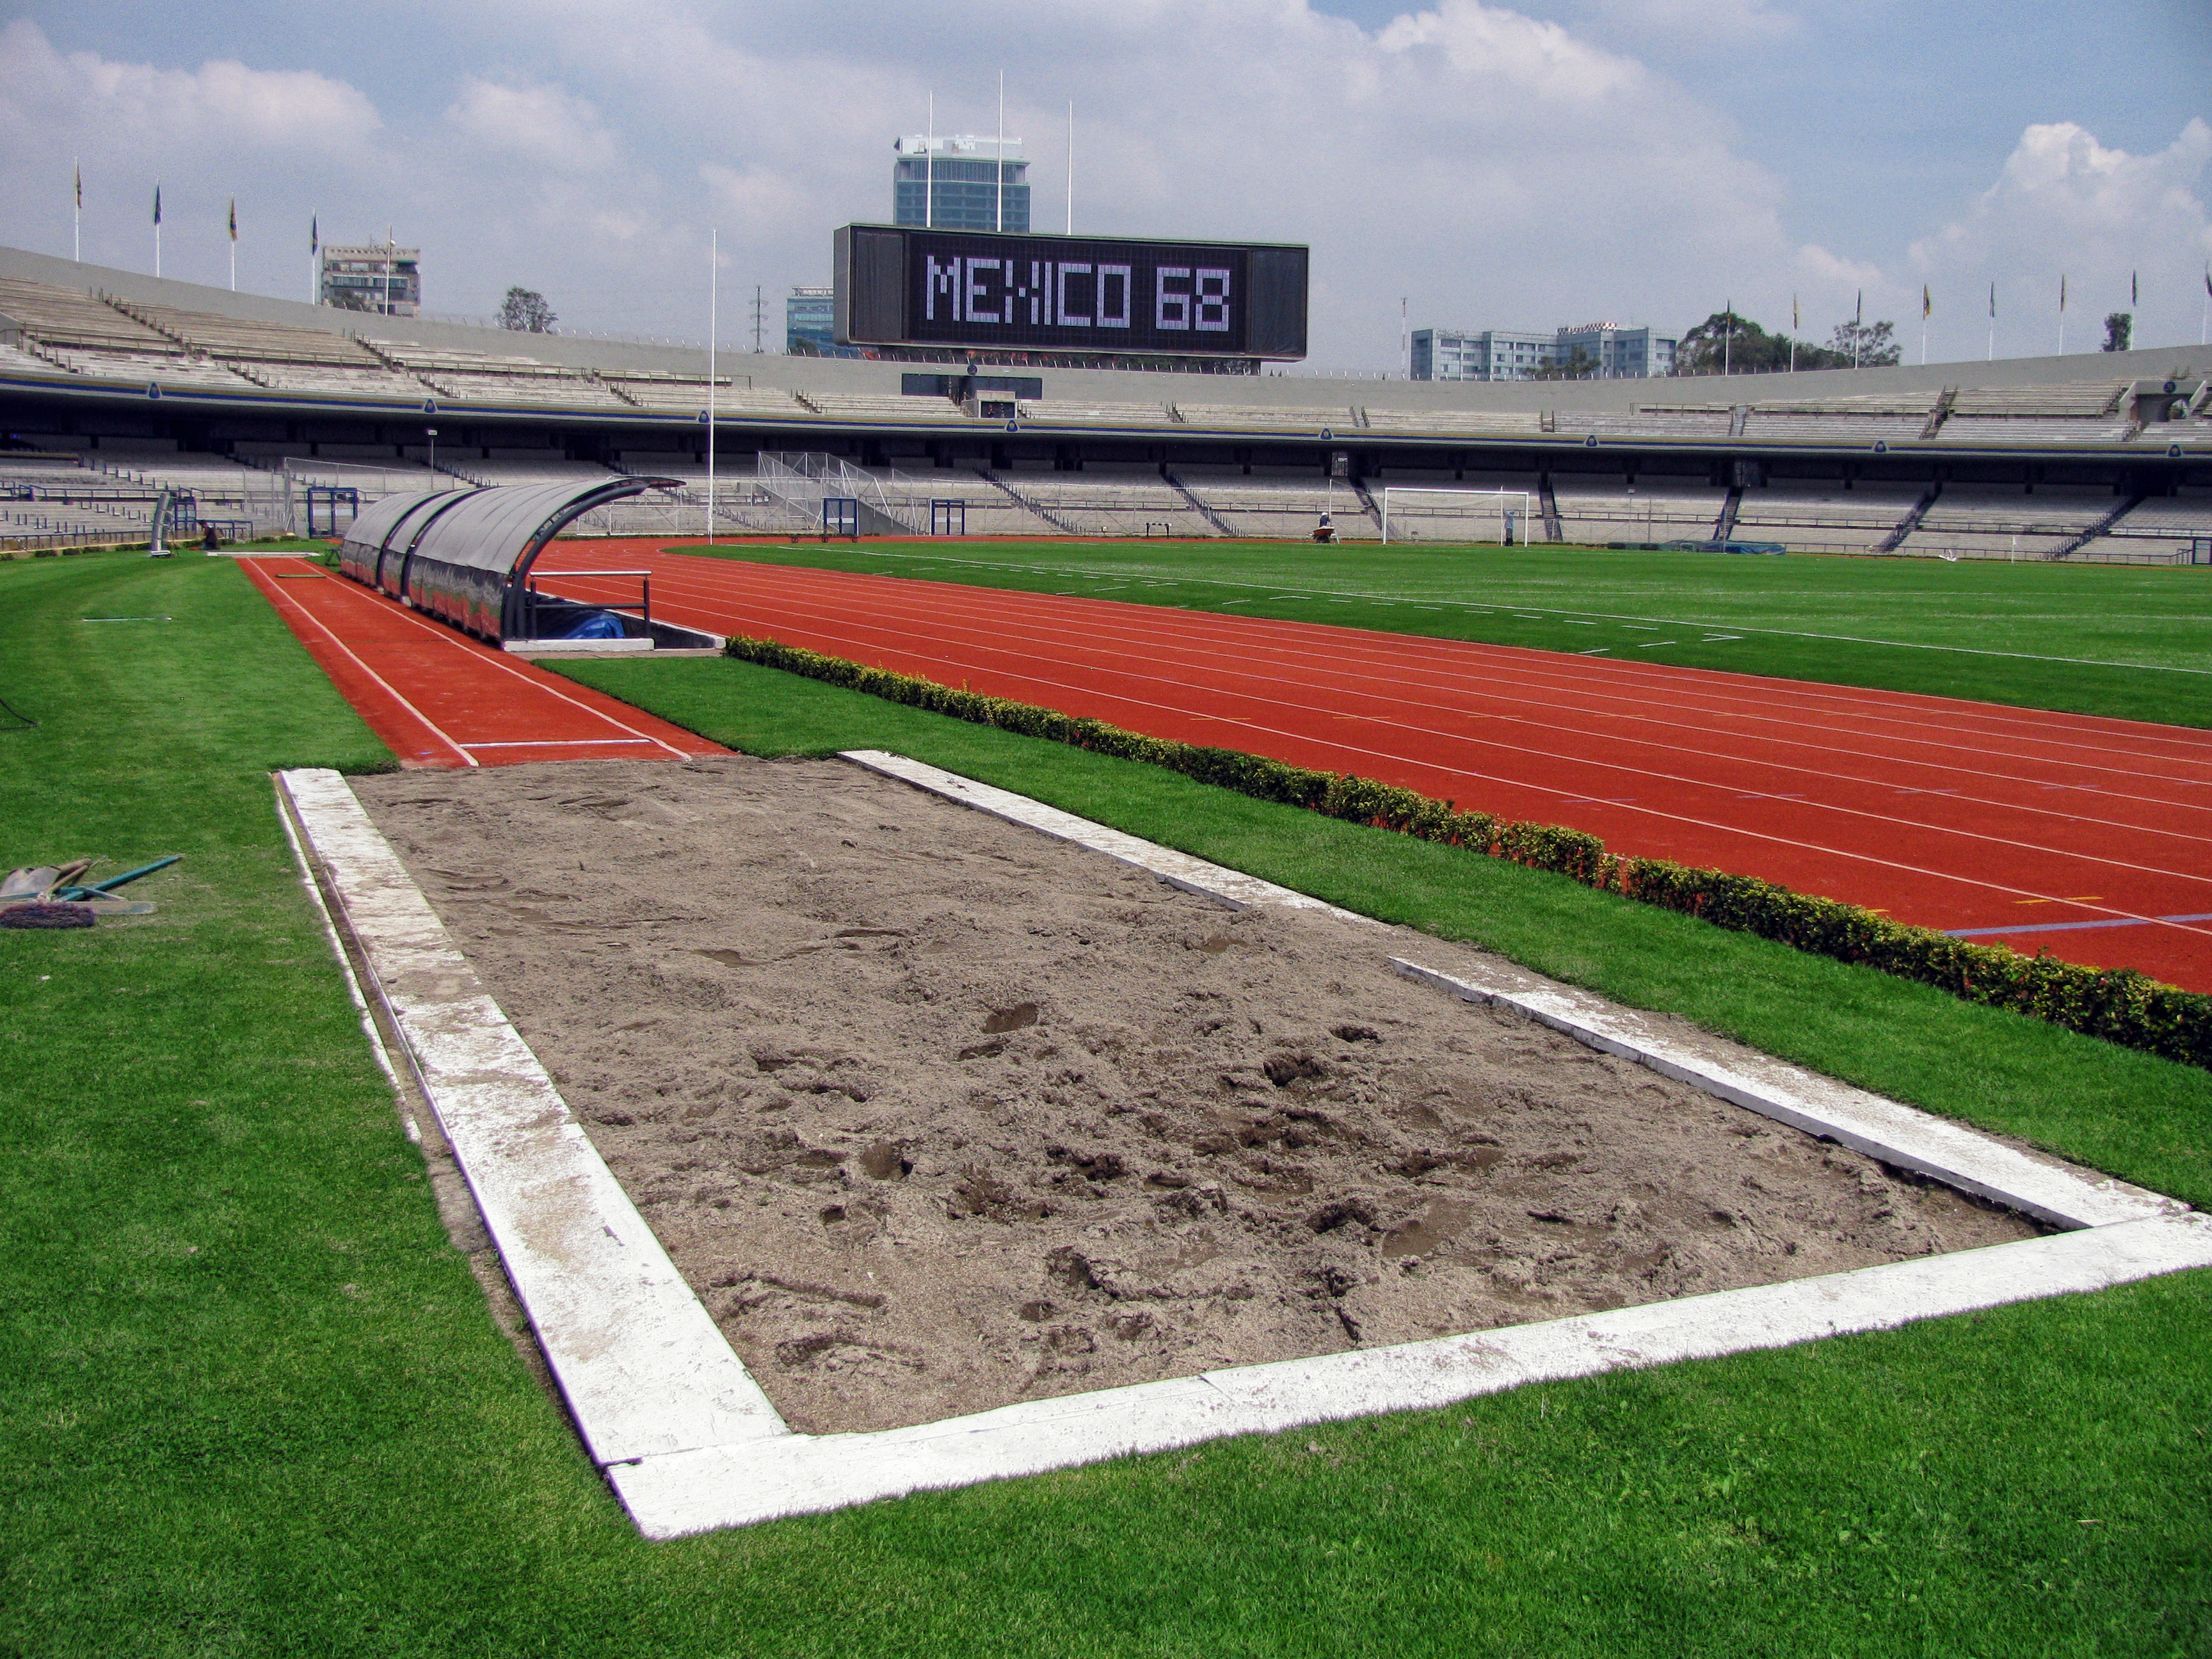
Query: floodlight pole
x,y
713,322
929,170
999,213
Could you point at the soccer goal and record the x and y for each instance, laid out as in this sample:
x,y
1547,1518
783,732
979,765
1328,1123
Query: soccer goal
x,y
1412,514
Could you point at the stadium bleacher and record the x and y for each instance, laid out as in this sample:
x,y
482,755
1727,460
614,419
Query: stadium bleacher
x,y
688,392
1688,421
1066,413
1474,423
1282,505
1261,417
1865,420
877,407
1823,518
1099,505
1653,509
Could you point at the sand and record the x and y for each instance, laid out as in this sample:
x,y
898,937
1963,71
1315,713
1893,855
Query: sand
x,y
937,1114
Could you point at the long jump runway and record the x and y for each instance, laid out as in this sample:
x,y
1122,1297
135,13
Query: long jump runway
x,y
2085,836
439,699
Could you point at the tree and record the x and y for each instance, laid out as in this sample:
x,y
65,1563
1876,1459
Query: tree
x,y
1579,366
525,310
2119,330
1728,341
1864,345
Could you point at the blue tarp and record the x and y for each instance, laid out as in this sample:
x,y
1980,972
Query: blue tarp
x,y
599,625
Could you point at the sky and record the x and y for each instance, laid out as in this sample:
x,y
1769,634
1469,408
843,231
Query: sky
x,y
1631,160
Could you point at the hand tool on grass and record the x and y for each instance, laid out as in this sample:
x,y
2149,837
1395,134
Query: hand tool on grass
x,y
48,888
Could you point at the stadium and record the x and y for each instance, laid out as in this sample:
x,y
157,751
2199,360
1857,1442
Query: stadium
x,y
1037,981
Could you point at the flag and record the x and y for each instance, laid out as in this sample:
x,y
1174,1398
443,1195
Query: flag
x,y
234,218
1927,303
1993,299
80,187
157,204
1793,324
314,236
1859,311
2062,293
2135,292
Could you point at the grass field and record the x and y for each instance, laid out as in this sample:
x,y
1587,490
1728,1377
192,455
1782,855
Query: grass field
x,y
2131,641
254,1403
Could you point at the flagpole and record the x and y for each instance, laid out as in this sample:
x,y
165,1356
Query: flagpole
x,y
315,258
77,213
999,213
2061,315
1993,323
714,326
157,228
1071,169
233,245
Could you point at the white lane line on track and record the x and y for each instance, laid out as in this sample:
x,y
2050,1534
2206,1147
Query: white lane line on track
x,y
1564,794
1637,705
1638,700
1627,618
1889,819
393,691
440,631
1895,706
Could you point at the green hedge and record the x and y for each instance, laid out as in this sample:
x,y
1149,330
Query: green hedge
x,y
2118,1005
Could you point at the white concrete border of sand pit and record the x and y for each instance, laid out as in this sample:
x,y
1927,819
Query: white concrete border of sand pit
x,y
690,1444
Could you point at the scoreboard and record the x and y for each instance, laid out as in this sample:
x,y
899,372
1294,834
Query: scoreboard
x,y
982,290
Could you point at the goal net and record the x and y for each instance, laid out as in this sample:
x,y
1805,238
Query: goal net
x,y
1498,516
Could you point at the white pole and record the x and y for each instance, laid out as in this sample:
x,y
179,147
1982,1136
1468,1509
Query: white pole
x,y
929,170
1071,168
76,209
999,214
713,323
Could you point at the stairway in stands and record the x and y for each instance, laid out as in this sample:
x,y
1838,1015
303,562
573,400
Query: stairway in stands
x,y
1220,524
1026,504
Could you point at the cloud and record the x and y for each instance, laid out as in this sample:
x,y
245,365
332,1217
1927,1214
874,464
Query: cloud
x,y
551,128
132,108
2066,204
1495,167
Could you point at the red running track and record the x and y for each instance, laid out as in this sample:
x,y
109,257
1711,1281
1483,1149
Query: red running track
x,y
2085,835
439,698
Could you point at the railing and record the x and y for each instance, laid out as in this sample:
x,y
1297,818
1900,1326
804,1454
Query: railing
x,y
804,481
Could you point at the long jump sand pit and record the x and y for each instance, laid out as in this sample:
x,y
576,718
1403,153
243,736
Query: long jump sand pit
x,y
937,1114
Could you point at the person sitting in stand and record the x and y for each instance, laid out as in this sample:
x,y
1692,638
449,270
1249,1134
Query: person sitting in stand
x,y
1324,531
210,541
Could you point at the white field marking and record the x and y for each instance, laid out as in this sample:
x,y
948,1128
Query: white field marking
x,y
557,742
1193,875
2060,1193
716,1486
541,682
285,817
434,730
1635,773
1674,621
643,1366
